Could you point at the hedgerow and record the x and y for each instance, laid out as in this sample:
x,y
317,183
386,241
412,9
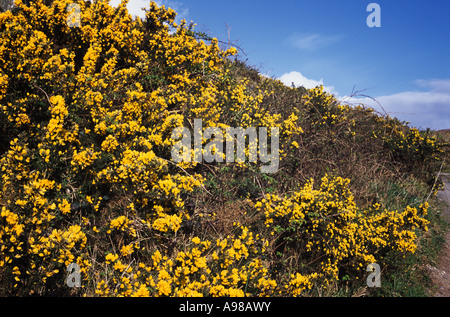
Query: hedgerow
x,y
87,176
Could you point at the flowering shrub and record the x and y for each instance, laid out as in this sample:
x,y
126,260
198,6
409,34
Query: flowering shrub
x,y
226,267
413,147
87,113
324,108
333,235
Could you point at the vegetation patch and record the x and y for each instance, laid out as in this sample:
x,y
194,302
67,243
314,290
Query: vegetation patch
x,y
87,176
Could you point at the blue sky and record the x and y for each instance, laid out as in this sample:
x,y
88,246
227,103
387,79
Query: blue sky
x,y
404,64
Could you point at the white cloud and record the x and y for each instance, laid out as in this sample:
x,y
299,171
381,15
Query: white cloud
x,y
423,109
437,85
299,80
312,42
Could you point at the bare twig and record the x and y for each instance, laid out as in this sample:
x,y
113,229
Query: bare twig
x,y
435,180
48,99
259,183
117,285
210,169
359,93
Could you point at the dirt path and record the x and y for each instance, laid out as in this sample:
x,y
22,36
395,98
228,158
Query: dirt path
x,y
440,274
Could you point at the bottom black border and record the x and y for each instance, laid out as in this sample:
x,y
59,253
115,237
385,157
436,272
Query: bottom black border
x,y
221,306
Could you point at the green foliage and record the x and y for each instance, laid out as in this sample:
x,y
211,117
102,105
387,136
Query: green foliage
x,y
86,120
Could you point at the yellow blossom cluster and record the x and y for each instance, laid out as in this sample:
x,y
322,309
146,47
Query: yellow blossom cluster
x,y
324,108
413,146
333,233
299,283
88,110
224,268
56,252
121,223
10,233
88,107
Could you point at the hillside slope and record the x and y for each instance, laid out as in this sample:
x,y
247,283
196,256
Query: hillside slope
x,y
89,178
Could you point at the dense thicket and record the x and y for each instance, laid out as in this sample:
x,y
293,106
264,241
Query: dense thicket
x,y
88,106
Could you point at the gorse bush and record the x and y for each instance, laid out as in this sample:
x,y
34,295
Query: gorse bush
x,y
336,237
87,115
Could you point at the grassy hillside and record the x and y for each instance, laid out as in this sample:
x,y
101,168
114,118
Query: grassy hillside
x,y
88,177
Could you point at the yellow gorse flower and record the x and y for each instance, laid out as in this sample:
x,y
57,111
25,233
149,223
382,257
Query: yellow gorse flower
x,y
87,113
